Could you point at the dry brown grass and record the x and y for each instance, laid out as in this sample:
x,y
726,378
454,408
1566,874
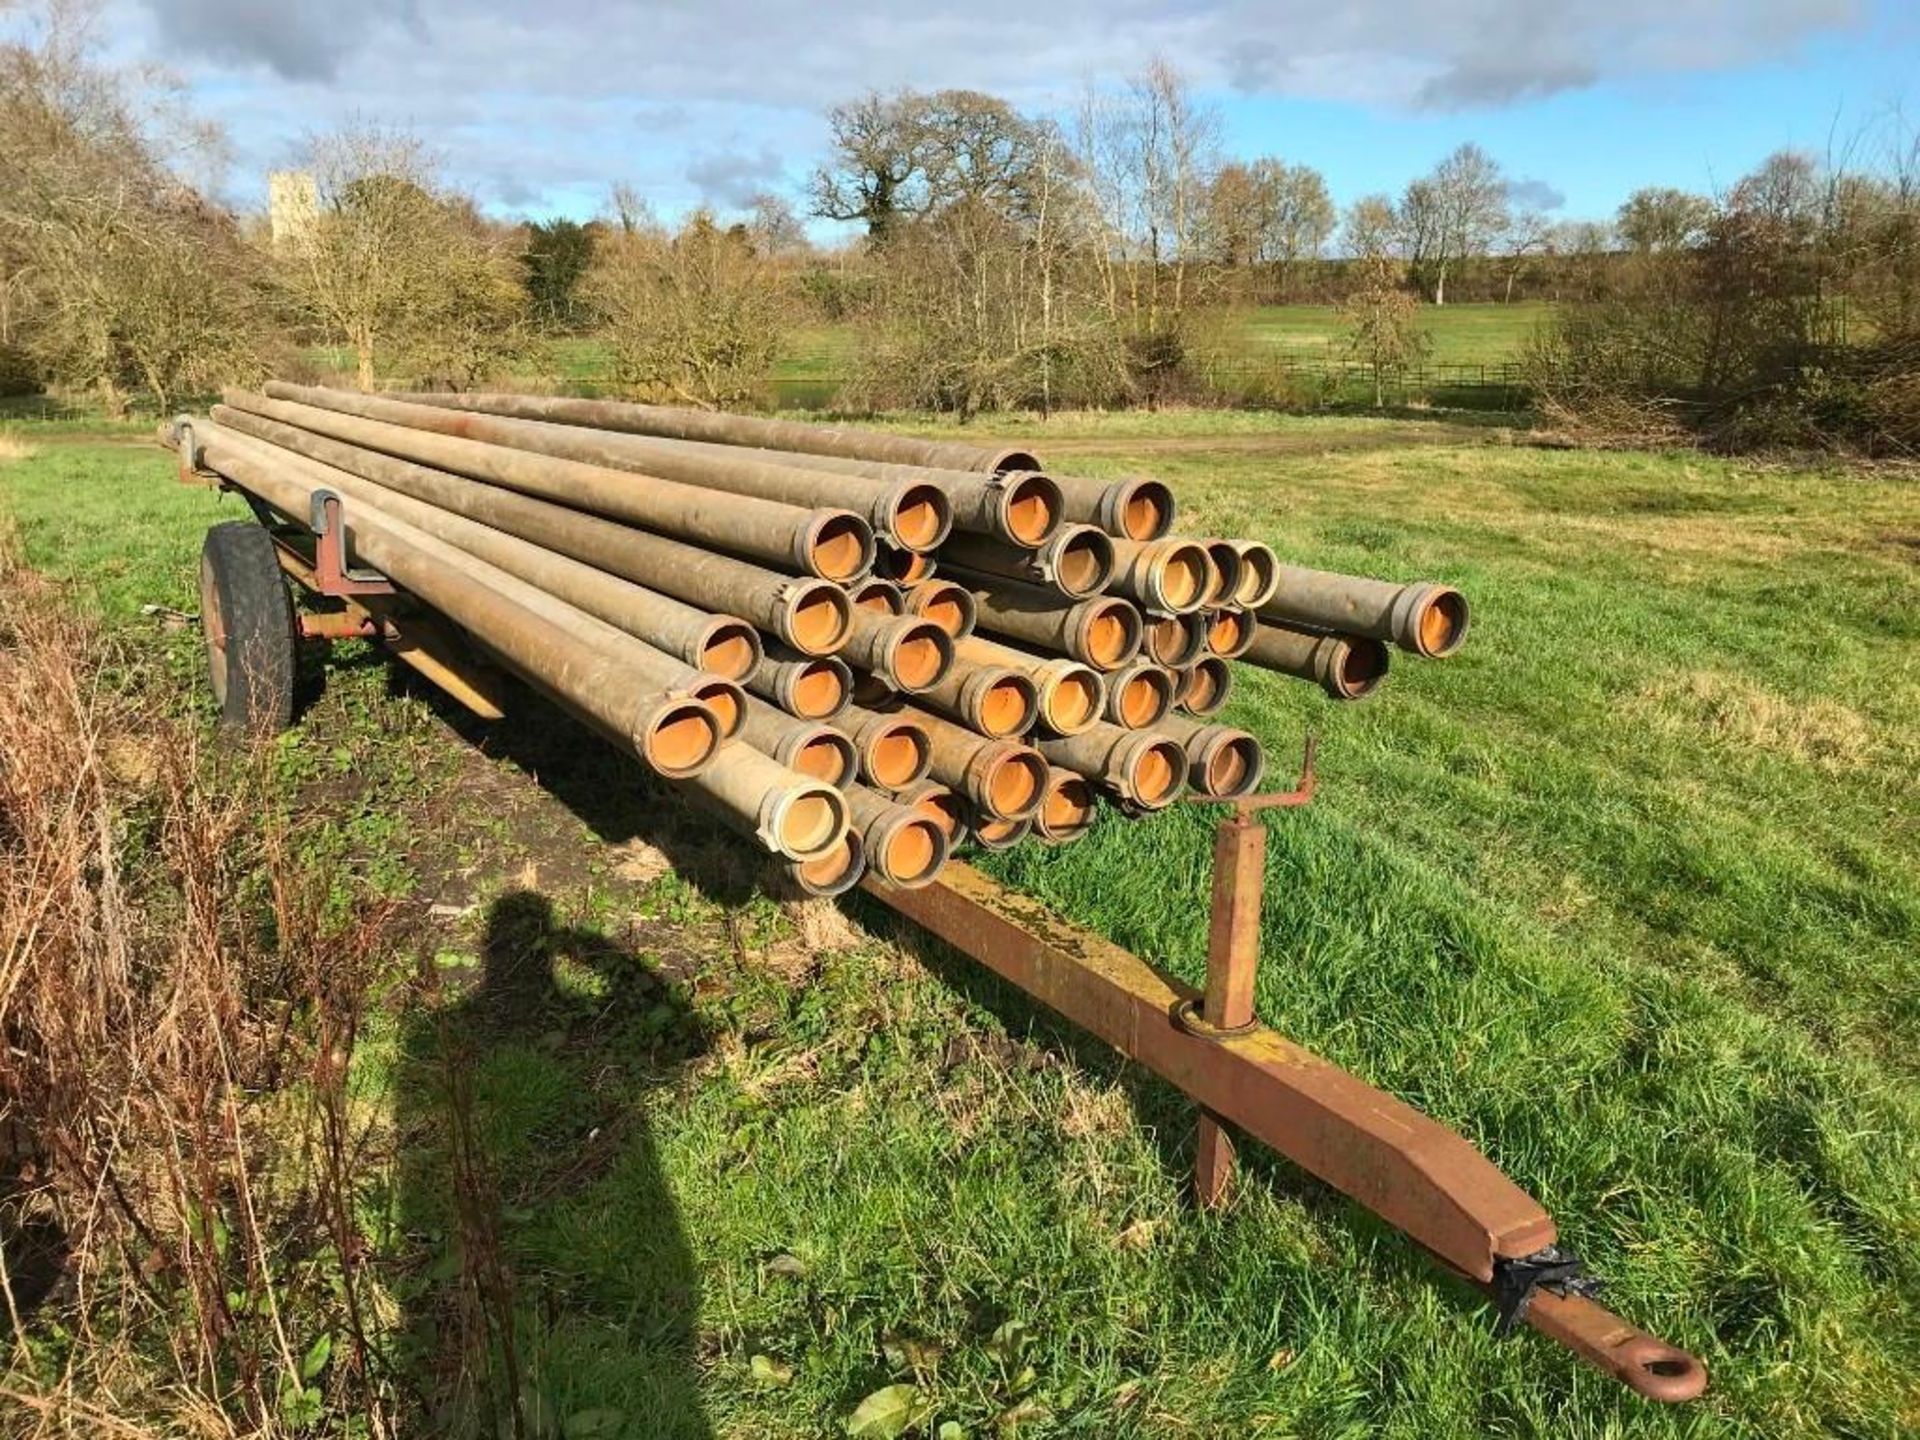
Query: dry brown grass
x,y
173,1116
12,447
1731,709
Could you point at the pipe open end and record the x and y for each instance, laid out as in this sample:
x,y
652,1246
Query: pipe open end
x,y
903,567
1259,575
1184,577
1009,706
1175,641
731,650
1159,774
827,756
920,656
1363,665
944,809
681,739
835,872
947,605
1146,512
1231,768
810,821
877,597
1071,702
1112,635
990,832
819,691
1015,784
1443,624
1068,807
723,697
921,517
840,547
1229,632
1083,562
913,853
1030,508
1007,460
1206,685
1224,562
818,620
1143,698
898,755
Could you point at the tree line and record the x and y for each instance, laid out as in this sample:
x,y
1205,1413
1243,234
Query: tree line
x,y
1097,257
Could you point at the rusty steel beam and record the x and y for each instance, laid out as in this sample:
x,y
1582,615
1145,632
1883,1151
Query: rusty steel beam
x,y
1413,1172
834,544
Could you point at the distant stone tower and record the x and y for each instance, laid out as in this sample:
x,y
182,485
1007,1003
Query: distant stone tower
x,y
293,200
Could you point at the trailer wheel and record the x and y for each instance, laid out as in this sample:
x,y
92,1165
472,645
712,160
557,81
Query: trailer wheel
x,y
247,617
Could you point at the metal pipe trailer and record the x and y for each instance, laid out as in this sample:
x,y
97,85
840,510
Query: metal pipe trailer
x,y
509,525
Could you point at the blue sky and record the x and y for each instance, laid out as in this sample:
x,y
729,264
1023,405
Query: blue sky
x,y
539,109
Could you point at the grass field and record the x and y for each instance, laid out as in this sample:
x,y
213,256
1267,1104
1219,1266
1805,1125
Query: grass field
x,y
1629,893
819,357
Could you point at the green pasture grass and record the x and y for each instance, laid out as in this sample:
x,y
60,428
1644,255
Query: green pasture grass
x,y
1628,892
1465,334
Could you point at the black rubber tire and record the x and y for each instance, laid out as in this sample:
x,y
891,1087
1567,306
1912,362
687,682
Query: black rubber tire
x,y
246,615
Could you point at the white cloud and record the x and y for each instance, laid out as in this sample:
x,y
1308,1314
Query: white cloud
x,y
583,93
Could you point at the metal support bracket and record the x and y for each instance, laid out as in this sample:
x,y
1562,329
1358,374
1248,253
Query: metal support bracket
x,y
332,574
1225,1007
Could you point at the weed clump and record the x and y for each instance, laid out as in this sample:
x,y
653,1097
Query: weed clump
x,y
177,1231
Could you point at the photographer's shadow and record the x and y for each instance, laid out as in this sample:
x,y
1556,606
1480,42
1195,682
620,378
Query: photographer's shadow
x,y
553,1277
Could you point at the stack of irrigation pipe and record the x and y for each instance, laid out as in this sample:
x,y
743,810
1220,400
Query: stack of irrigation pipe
x,y
858,650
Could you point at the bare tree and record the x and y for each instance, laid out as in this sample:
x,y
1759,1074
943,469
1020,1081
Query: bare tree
x,y
116,275
987,302
877,174
397,268
695,317
1267,213
776,231
1453,214
1149,151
